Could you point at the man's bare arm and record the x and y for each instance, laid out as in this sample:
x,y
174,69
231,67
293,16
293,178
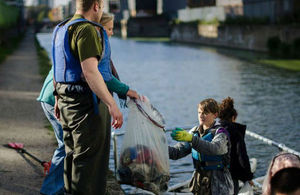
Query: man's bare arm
x,y
96,83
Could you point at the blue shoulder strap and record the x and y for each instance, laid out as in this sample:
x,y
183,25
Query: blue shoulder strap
x,y
67,26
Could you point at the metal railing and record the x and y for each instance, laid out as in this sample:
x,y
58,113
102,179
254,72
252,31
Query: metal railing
x,y
268,141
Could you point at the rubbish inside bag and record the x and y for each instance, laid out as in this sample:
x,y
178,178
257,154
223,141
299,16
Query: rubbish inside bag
x,y
140,167
144,160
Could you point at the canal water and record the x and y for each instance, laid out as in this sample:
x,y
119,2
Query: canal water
x,y
176,77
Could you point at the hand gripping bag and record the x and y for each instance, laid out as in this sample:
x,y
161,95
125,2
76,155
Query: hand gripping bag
x,y
144,157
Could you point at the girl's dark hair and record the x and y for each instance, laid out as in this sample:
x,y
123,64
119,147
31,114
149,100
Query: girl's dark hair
x,y
285,181
227,110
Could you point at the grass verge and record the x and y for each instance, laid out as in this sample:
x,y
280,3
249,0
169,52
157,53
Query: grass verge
x,y
262,58
44,68
293,65
10,46
44,60
150,39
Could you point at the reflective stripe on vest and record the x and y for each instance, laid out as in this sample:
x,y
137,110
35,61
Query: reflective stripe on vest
x,y
207,162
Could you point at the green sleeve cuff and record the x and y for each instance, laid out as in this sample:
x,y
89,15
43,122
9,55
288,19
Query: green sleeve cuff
x,y
114,85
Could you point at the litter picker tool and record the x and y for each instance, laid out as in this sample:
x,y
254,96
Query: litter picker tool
x,y
20,148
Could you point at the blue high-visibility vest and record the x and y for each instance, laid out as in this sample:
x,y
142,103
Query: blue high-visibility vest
x,y
201,160
67,68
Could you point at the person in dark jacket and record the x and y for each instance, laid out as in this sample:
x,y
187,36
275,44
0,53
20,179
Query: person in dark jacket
x,y
239,165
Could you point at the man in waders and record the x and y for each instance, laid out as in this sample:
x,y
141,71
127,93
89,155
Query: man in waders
x,y
77,50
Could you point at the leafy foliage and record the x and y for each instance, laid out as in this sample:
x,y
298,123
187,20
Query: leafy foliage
x,y
8,15
279,49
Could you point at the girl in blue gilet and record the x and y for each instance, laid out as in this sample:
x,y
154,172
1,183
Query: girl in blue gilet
x,y
209,144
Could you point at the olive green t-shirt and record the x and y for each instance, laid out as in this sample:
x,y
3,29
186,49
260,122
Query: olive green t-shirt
x,y
84,40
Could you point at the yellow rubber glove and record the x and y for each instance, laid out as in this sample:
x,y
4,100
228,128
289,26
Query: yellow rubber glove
x,y
180,134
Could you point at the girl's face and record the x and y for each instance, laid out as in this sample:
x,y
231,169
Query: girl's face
x,y
109,28
206,119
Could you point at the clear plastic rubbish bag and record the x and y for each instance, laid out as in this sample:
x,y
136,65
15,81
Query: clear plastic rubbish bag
x,y
246,189
144,158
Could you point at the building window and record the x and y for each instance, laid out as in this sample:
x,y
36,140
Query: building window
x,y
114,6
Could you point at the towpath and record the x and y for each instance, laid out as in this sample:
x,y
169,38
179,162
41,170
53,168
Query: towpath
x,y
22,120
